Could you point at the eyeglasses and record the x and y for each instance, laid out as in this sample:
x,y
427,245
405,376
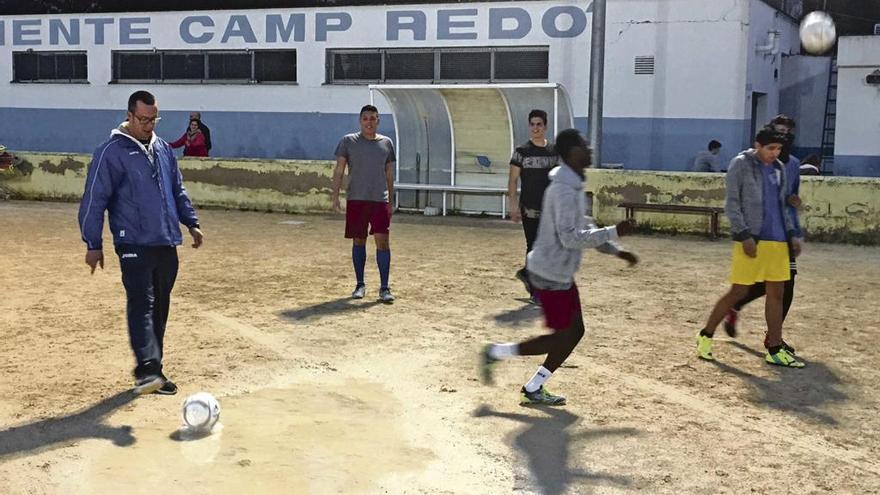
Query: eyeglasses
x,y
148,120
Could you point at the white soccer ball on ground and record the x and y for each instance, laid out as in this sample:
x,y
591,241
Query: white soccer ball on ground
x,y
201,412
818,33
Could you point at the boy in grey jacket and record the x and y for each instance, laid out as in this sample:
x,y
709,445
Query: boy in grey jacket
x,y
762,228
564,231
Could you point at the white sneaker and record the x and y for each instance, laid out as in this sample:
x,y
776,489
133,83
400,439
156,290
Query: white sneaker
x,y
359,292
385,295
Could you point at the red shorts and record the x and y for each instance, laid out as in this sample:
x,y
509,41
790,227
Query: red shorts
x,y
560,306
360,214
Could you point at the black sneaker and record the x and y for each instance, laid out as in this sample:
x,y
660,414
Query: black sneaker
x,y
169,388
524,278
148,377
788,348
730,322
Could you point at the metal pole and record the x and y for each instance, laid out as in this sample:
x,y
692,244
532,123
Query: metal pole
x,y
555,112
597,79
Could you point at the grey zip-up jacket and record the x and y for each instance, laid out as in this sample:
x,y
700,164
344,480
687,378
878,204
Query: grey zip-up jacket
x,y
565,230
744,204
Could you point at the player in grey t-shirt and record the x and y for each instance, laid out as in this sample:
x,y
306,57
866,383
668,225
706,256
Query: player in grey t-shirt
x,y
370,159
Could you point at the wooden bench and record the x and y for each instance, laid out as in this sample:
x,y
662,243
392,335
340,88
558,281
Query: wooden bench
x,y
446,188
712,211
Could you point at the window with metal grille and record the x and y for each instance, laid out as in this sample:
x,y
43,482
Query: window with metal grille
x,y
644,65
229,66
357,66
522,64
221,66
183,65
466,65
409,66
141,66
30,66
438,65
275,66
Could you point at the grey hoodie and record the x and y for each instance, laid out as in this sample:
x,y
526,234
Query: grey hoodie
x,y
744,205
565,230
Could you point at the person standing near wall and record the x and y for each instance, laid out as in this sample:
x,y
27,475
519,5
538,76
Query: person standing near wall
x,y
530,166
370,159
197,116
135,178
193,141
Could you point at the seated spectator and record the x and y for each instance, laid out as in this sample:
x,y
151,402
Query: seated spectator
x,y
811,165
707,161
6,158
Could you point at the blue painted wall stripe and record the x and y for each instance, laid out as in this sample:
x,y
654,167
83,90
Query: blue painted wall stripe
x,y
640,144
861,166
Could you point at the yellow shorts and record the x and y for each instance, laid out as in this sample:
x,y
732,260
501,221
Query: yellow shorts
x,y
770,264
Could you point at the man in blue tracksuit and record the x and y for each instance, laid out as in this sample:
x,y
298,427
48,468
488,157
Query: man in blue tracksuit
x,y
135,178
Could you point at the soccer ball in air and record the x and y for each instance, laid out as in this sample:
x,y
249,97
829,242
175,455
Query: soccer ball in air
x,y
818,33
201,412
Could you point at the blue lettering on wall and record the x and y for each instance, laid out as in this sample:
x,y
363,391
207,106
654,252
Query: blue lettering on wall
x,y
323,25
296,25
578,21
127,30
497,16
411,20
58,29
239,26
445,24
20,29
186,29
100,24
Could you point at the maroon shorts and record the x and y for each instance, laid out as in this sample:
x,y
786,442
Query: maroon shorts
x,y
359,215
560,306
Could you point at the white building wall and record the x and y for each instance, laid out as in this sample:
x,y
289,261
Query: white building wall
x,y
764,68
857,136
703,53
802,96
699,65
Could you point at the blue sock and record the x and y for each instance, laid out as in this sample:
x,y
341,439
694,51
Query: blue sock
x,y
359,260
383,259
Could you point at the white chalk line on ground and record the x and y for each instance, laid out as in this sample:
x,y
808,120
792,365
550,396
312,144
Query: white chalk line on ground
x,y
706,407
245,330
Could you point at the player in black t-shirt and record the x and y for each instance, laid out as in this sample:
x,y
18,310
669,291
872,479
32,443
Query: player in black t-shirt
x,y
530,165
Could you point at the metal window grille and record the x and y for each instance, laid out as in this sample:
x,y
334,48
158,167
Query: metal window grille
x,y
466,65
33,66
529,65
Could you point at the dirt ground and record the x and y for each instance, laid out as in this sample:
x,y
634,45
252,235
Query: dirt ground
x,y
325,395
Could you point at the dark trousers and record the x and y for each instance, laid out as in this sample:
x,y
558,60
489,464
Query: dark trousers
x,y
148,274
530,228
759,289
